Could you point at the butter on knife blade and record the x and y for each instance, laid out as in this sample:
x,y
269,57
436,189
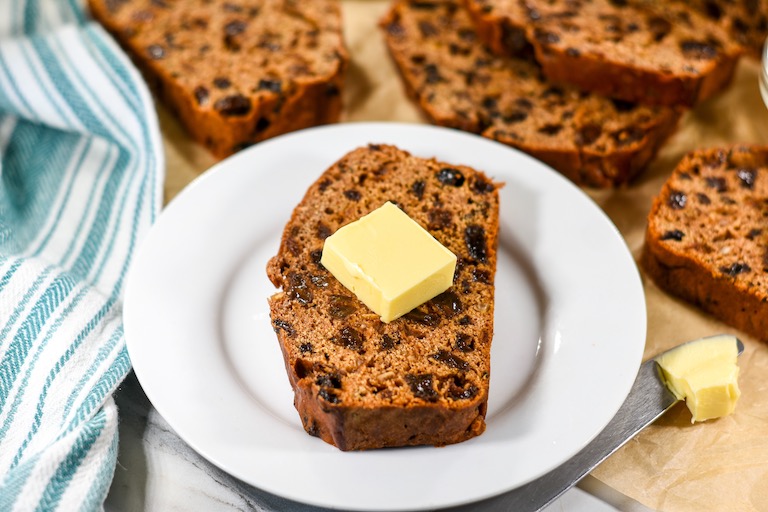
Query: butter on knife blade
x,y
705,374
648,399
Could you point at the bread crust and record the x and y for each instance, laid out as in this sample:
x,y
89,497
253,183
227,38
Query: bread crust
x,y
700,58
423,378
212,64
711,250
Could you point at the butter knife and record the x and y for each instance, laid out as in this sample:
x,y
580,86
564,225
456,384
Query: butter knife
x,y
648,399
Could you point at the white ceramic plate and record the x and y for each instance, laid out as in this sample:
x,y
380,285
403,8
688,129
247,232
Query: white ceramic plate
x,y
569,333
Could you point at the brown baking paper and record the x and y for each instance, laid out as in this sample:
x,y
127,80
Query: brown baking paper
x,y
672,465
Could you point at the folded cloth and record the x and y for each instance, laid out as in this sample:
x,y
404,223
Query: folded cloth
x,y
81,172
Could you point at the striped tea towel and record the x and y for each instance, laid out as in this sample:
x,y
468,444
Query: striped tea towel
x,y
81,170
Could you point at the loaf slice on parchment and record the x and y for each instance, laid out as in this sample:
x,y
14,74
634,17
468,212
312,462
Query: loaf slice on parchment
x,y
235,72
707,235
647,51
421,379
458,83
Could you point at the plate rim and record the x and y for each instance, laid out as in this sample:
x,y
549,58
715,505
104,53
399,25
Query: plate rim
x,y
373,128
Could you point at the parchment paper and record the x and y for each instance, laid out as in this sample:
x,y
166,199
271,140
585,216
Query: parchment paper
x,y
672,465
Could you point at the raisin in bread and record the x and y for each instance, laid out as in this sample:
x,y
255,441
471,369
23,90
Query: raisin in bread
x,y
458,83
423,378
235,72
707,235
745,21
648,51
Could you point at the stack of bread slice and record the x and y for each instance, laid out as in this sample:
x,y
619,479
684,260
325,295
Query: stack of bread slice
x,y
592,88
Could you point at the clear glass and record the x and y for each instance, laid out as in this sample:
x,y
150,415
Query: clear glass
x,y
764,74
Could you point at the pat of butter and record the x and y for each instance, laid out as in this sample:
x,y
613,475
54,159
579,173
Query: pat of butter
x,y
705,374
389,261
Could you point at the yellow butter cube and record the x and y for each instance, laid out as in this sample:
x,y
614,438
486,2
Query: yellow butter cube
x,y
705,374
389,261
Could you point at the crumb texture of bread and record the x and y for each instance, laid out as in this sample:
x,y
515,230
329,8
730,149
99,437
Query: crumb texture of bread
x,y
660,52
745,21
457,82
707,237
235,72
423,378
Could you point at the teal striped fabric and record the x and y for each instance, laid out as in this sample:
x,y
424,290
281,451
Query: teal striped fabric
x,y
81,171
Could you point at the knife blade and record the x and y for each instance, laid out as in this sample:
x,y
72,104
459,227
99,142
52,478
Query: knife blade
x,y
647,400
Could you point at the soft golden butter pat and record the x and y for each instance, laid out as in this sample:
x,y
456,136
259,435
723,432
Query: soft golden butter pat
x,y
389,261
705,374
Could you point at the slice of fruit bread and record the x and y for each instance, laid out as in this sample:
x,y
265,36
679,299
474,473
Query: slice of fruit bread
x,y
421,379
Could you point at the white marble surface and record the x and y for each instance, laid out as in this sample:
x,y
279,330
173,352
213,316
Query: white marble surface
x,y
156,470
